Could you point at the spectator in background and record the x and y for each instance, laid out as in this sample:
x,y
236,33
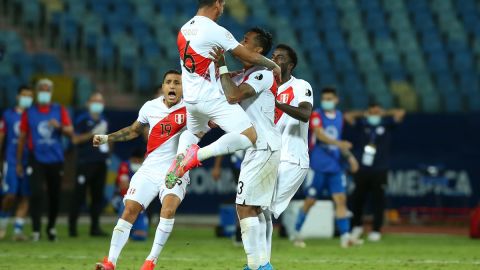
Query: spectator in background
x,y
375,126
91,165
126,170
13,186
43,126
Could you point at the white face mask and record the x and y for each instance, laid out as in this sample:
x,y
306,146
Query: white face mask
x,y
44,97
135,166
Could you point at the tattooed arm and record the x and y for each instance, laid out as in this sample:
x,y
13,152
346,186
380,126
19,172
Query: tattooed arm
x,y
126,134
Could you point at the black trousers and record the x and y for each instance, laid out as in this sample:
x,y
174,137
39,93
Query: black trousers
x,y
90,175
374,183
49,175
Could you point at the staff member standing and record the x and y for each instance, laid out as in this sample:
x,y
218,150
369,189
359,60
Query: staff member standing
x,y
375,127
43,126
91,165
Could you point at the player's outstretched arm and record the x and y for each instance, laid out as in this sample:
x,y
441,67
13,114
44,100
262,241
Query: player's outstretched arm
x,y
257,59
302,112
126,134
233,92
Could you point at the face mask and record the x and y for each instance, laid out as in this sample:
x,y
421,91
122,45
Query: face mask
x,y
25,101
374,120
44,97
328,105
135,166
96,107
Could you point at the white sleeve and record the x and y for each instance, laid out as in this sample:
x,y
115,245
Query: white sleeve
x,y
260,80
225,39
304,93
142,114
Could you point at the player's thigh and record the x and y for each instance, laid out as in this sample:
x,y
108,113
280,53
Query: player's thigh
x,y
258,176
290,178
179,190
229,117
142,189
197,119
337,183
313,187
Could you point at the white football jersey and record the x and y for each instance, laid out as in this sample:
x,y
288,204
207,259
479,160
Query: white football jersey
x,y
166,125
294,132
196,39
261,107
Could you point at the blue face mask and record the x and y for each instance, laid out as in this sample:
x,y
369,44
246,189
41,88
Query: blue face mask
x,y
96,107
374,120
44,97
328,105
25,102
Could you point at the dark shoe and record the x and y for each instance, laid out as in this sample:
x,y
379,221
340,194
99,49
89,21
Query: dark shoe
x,y
52,234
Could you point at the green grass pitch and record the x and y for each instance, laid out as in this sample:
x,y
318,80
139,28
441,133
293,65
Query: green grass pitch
x,y
196,248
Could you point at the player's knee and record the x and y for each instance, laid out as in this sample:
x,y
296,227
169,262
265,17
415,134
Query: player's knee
x,y
8,201
131,212
167,212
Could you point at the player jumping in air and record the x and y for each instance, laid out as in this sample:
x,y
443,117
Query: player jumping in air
x,y
327,158
203,95
166,118
293,109
255,90
14,186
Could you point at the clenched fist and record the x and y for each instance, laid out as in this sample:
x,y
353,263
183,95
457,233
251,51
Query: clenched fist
x,y
99,140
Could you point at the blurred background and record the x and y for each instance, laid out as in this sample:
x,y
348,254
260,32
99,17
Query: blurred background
x,y
419,55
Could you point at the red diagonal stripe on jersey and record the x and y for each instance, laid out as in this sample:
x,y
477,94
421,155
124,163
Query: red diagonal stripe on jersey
x,y
284,97
200,63
166,129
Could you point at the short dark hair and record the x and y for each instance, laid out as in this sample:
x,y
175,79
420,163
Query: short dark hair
x,y
373,104
171,71
23,87
291,53
329,90
207,3
263,38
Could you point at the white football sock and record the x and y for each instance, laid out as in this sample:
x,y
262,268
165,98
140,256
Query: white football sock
x,y
164,228
250,234
120,235
269,233
186,139
262,239
227,144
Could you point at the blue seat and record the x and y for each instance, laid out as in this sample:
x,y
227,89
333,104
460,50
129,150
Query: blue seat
x,y
453,103
69,32
104,53
31,12
25,66
9,85
445,83
469,82
47,63
343,61
463,61
143,79
438,62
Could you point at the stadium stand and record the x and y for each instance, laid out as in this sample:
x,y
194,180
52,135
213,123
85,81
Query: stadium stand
x,y
423,55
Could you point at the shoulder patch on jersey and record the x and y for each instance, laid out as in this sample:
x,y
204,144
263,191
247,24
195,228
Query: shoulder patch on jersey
x,y
308,93
259,77
192,22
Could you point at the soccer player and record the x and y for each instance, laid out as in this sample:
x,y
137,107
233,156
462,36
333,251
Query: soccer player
x,y
44,124
203,96
255,90
14,186
166,118
293,109
326,162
